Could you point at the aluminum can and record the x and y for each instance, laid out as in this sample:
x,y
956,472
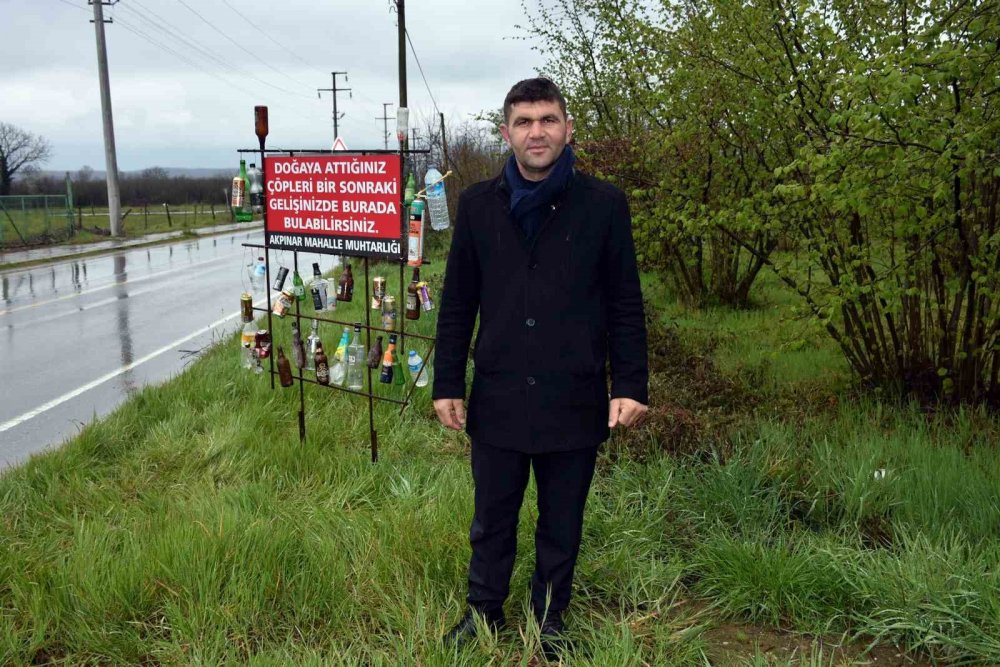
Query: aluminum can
x,y
246,307
263,344
378,292
279,281
389,312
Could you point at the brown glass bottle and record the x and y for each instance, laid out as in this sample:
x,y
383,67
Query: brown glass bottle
x,y
345,286
412,299
322,365
375,354
284,369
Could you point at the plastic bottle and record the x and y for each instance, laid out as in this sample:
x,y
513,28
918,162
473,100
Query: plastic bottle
x,y
258,275
414,361
256,177
437,204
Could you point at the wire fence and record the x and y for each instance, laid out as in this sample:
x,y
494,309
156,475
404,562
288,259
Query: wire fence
x,y
31,220
35,219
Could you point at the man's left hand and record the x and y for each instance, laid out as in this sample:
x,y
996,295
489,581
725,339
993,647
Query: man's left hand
x,y
625,412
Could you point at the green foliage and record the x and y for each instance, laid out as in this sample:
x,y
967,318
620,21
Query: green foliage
x,y
864,138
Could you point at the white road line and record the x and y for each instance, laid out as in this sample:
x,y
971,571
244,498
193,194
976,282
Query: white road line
x,y
139,279
104,302
11,423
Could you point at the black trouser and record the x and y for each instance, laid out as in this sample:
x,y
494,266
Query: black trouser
x,y
500,476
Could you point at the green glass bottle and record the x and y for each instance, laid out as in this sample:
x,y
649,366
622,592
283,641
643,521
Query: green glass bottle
x,y
242,209
298,287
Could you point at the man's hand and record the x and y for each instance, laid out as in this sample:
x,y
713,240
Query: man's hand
x,y
623,411
451,412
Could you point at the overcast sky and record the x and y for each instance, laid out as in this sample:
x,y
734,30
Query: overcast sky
x,y
182,91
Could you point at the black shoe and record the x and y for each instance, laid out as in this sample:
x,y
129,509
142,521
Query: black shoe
x,y
553,636
466,629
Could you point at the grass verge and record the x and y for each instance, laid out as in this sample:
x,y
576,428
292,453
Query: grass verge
x,y
797,524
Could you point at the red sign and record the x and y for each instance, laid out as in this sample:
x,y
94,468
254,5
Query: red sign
x,y
335,204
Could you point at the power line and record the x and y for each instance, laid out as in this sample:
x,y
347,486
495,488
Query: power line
x,y
242,48
175,34
165,47
67,2
419,67
261,31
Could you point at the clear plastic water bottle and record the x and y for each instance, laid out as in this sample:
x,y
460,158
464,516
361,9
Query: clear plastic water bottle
x,y
258,275
437,203
414,361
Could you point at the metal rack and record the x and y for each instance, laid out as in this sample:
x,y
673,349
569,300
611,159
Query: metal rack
x,y
299,316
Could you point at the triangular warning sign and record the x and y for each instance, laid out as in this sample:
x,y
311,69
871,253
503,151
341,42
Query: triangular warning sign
x,y
339,145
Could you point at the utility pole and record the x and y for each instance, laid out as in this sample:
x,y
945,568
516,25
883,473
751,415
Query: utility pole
x,y
110,156
333,89
385,122
444,143
401,33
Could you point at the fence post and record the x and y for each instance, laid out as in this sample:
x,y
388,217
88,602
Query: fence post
x,y
79,217
213,211
169,221
145,217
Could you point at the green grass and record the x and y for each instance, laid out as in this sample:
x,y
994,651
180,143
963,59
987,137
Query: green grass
x,y
38,226
192,527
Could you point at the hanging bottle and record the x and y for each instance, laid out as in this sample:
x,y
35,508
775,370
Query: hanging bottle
x,y
319,289
345,286
298,349
412,297
322,366
311,344
388,363
375,354
355,361
298,287
284,369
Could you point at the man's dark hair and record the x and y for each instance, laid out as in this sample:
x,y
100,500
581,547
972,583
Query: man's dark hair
x,y
539,89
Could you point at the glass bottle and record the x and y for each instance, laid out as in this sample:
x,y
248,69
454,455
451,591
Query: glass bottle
x,y
375,354
319,288
355,361
412,297
284,369
311,344
345,286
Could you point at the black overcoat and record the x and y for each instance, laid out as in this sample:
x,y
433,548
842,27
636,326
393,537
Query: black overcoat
x,y
553,313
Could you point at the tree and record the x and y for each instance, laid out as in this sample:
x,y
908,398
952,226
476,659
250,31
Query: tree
x,y
19,150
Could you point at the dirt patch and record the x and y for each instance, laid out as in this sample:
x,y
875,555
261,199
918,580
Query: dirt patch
x,y
735,643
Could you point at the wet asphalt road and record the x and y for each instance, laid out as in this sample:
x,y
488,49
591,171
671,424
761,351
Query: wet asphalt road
x,y
78,336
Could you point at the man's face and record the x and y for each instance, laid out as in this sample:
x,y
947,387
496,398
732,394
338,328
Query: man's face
x,y
537,132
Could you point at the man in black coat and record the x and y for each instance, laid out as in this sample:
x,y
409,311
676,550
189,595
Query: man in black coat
x,y
544,255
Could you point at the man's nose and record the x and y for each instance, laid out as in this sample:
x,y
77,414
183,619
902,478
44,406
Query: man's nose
x,y
536,129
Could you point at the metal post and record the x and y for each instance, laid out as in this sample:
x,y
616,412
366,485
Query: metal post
x,y
372,435
110,157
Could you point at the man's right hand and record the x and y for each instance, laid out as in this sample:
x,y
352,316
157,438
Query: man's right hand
x,y
451,412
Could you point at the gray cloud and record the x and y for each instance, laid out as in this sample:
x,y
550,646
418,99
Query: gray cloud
x,y
183,94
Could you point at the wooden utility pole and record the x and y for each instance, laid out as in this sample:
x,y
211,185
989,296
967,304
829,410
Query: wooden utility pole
x,y
401,31
334,90
110,156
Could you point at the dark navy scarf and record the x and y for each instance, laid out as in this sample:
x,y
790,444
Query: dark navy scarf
x,y
530,200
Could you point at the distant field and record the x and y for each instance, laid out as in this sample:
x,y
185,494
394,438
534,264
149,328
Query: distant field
x,y
38,226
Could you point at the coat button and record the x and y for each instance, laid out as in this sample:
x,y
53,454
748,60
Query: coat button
x,y
531,380
530,322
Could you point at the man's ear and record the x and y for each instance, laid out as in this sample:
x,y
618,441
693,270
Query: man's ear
x,y
569,129
505,132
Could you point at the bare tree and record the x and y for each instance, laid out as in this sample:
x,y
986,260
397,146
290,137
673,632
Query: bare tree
x,y
19,150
